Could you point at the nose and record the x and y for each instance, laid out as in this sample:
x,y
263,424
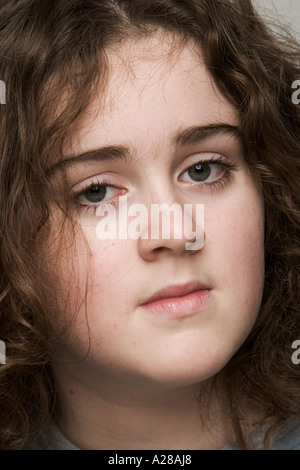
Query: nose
x,y
172,228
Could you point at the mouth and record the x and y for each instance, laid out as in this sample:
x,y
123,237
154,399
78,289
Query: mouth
x,y
179,300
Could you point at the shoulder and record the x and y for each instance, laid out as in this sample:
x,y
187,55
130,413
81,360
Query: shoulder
x,y
49,439
287,436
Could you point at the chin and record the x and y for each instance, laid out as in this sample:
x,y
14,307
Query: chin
x,y
183,374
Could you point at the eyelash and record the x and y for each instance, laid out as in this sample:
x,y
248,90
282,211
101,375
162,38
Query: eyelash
x,y
226,177
221,182
93,207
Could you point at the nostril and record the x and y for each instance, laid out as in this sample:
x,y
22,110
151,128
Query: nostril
x,y
158,249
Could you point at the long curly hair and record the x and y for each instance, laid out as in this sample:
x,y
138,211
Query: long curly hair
x,y
54,52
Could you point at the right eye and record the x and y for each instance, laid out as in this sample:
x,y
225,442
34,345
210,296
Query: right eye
x,y
97,193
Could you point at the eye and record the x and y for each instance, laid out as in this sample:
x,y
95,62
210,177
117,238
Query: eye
x,y
96,193
204,172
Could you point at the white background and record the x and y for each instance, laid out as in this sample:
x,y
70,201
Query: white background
x,y
288,11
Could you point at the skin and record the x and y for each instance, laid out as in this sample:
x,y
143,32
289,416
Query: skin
x,y
135,386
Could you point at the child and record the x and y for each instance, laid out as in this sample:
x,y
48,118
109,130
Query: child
x,y
116,338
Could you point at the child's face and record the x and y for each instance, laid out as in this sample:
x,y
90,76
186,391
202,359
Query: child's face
x,y
151,98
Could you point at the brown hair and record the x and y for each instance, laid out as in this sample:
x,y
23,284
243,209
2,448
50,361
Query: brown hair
x,y
57,48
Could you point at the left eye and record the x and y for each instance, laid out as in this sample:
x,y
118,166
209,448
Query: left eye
x,y
203,172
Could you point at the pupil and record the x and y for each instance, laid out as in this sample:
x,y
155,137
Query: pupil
x,y
96,193
199,172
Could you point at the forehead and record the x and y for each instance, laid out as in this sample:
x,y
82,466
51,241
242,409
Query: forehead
x,y
156,85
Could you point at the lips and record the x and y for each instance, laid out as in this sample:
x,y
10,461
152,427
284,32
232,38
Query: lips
x,y
176,291
178,301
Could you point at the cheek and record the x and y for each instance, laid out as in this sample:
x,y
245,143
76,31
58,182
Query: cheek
x,y
239,233
101,273
235,228
236,220
234,244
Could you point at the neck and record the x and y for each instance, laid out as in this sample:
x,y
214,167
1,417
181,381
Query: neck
x,y
113,416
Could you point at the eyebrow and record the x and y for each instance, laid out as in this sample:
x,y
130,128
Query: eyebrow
x,y
104,154
196,134
183,137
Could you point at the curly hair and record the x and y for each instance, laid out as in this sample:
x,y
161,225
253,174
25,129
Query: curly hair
x,y
57,48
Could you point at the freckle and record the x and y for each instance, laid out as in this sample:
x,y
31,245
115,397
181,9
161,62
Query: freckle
x,y
115,325
112,244
71,392
134,343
